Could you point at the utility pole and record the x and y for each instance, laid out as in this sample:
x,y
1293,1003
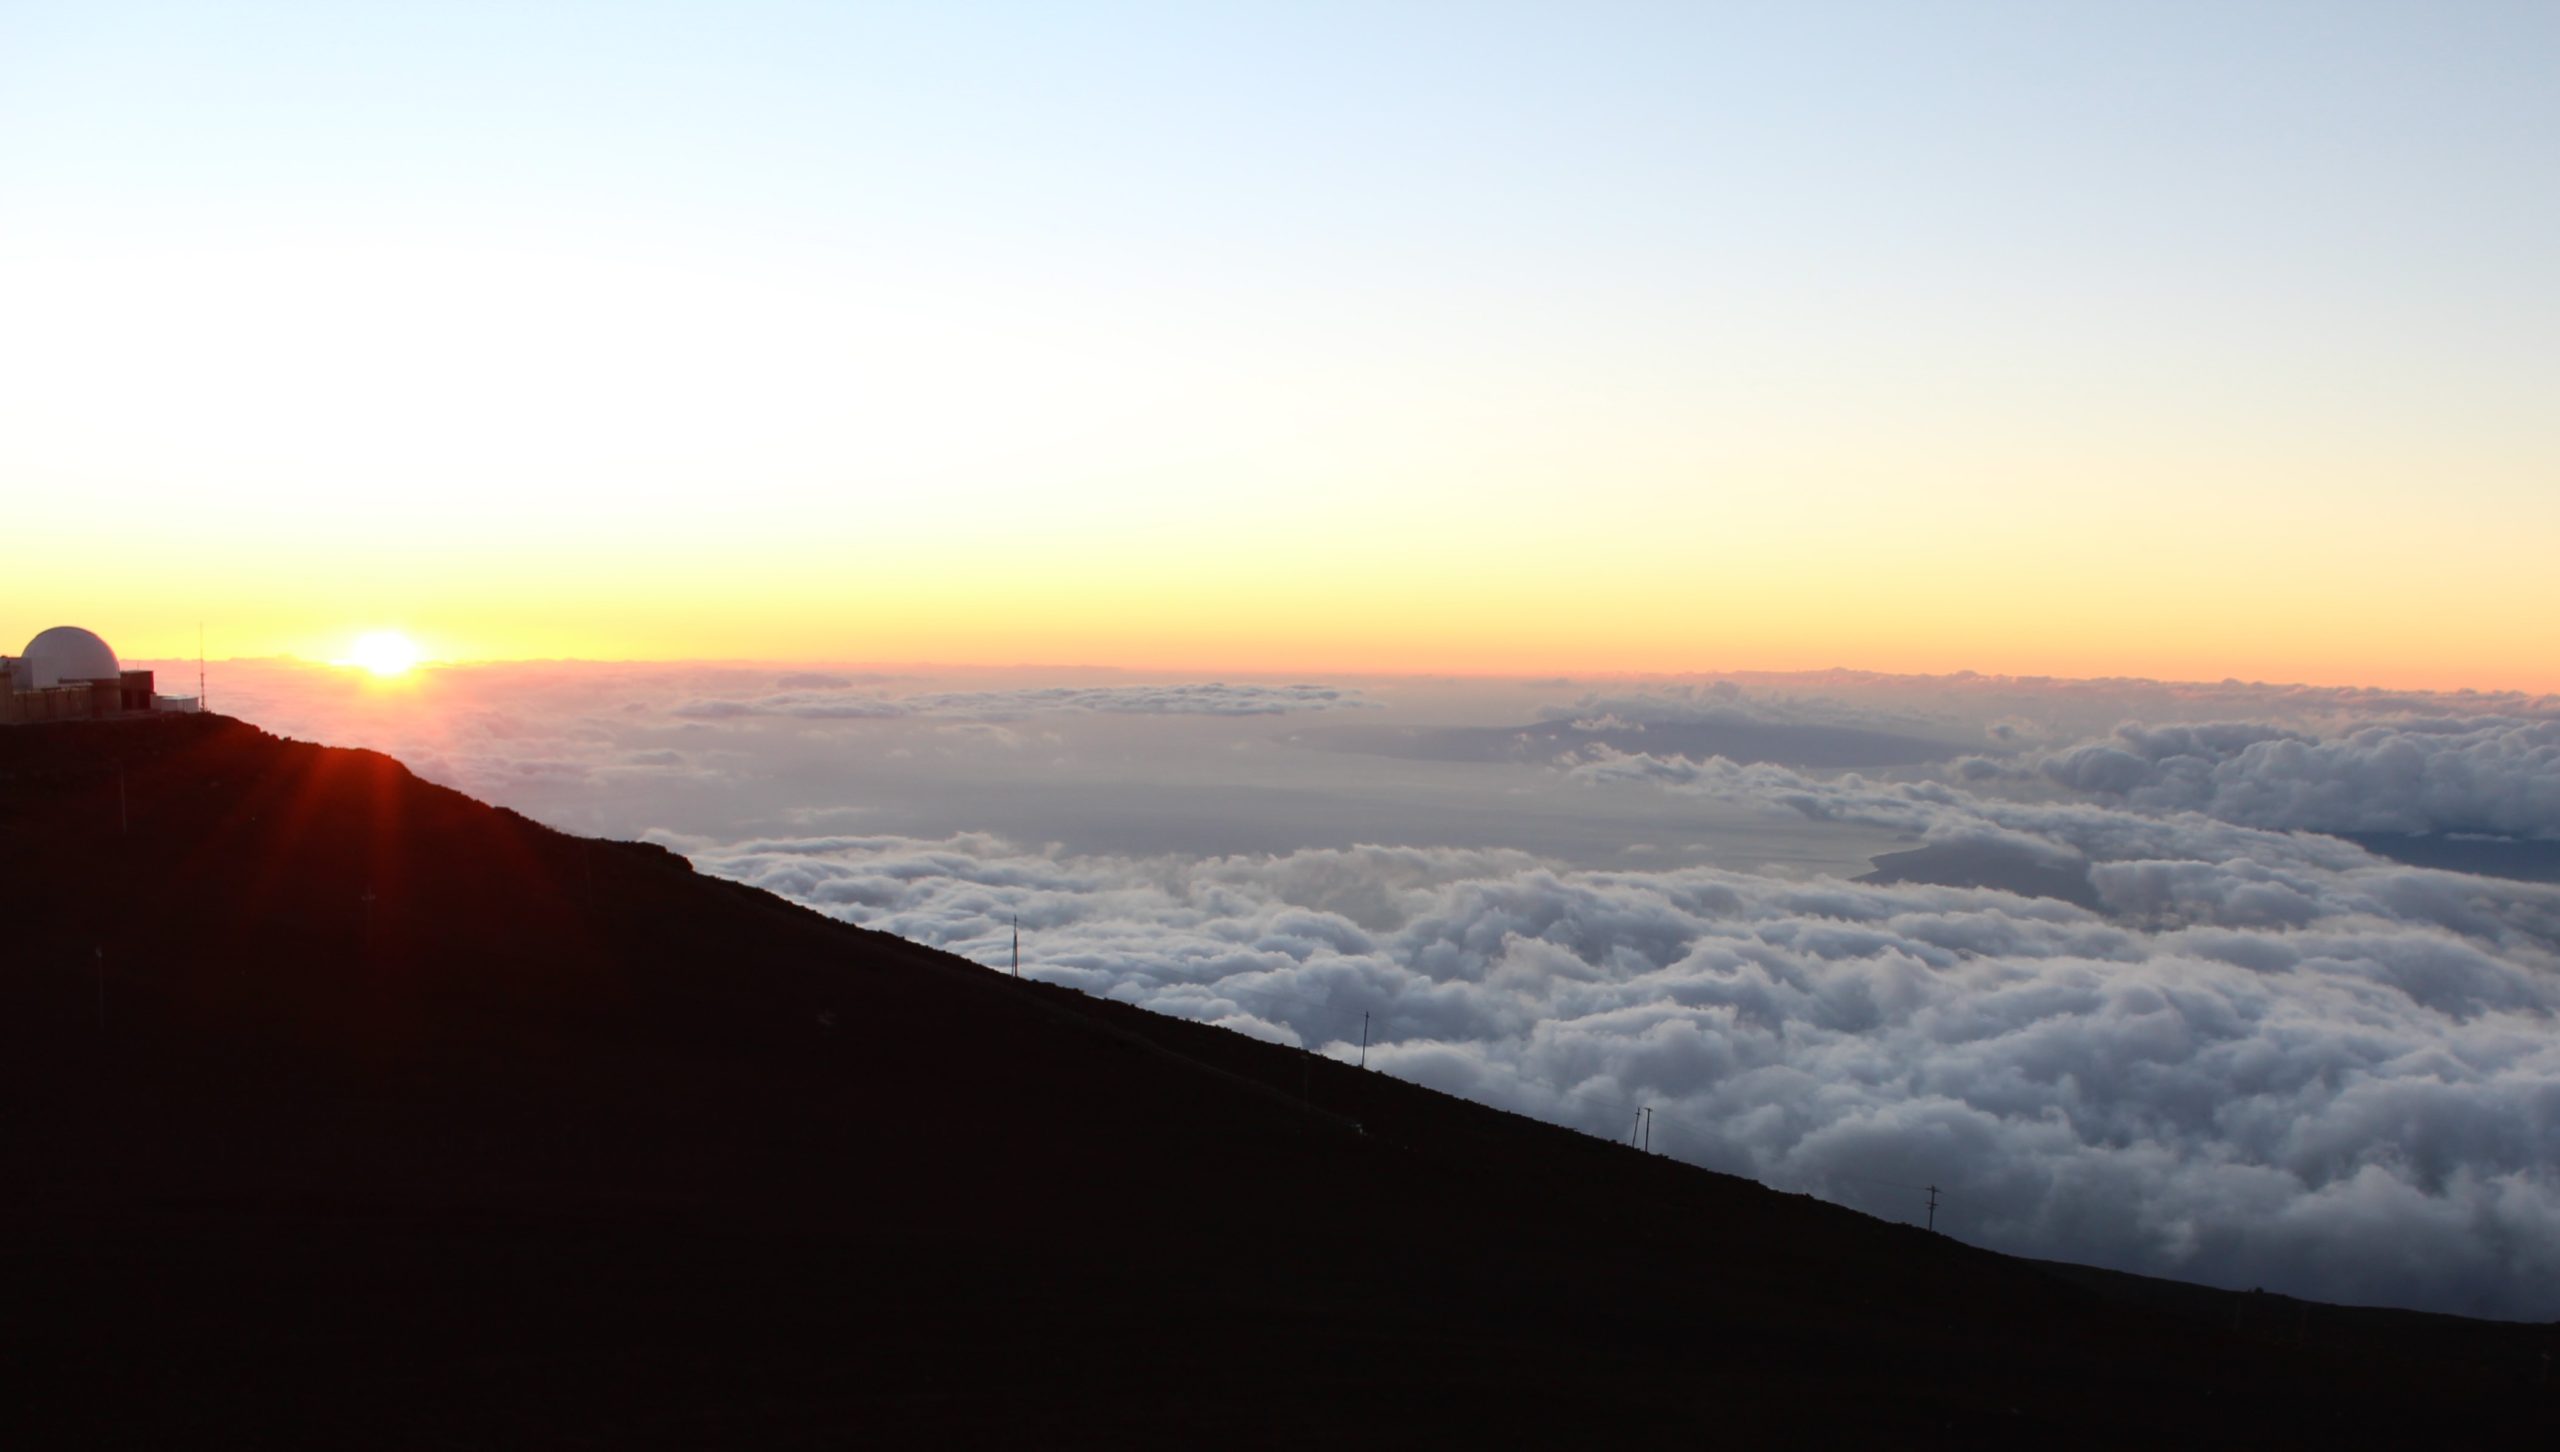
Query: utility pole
x,y
1933,1209
1017,945
1364,1038
1648,1129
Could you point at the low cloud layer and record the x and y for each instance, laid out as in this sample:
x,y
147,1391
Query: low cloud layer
x,y
2106,700
1718,703
2218,1047
839,704
1713,719
2433,774
2295,1066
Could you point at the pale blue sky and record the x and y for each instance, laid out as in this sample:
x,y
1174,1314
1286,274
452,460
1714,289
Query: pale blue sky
x,y
1418,253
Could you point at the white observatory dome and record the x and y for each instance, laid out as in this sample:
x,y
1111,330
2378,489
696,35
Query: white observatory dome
x,y
68,653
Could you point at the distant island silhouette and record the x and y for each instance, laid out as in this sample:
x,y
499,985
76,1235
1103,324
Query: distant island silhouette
x,y
1741,741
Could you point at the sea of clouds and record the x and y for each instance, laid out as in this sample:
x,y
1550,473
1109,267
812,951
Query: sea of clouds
x,y
2270,1061
2494,774
2251,1054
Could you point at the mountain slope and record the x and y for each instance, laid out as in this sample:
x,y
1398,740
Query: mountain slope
x,y
345,1110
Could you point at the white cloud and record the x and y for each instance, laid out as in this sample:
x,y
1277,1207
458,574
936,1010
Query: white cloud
x,y
2319,1073
2258,1056
2438,774
1715,703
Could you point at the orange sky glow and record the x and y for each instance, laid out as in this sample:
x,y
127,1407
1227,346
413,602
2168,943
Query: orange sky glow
x,y
2148,350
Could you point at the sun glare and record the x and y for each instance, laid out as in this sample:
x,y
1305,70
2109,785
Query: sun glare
x,y
384,652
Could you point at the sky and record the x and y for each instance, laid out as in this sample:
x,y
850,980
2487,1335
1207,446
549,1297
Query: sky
x,y
2181,341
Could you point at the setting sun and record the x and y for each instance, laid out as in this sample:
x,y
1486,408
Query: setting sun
x,y
384,652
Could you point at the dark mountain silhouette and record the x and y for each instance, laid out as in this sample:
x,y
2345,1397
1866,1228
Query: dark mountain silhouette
x,y
343,1110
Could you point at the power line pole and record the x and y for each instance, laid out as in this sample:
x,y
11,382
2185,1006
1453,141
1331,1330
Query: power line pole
x,y
1933,1208
1017,945
1364,1038
1648,1129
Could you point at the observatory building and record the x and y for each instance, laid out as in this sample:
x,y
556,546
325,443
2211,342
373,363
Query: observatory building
x,y
69,674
